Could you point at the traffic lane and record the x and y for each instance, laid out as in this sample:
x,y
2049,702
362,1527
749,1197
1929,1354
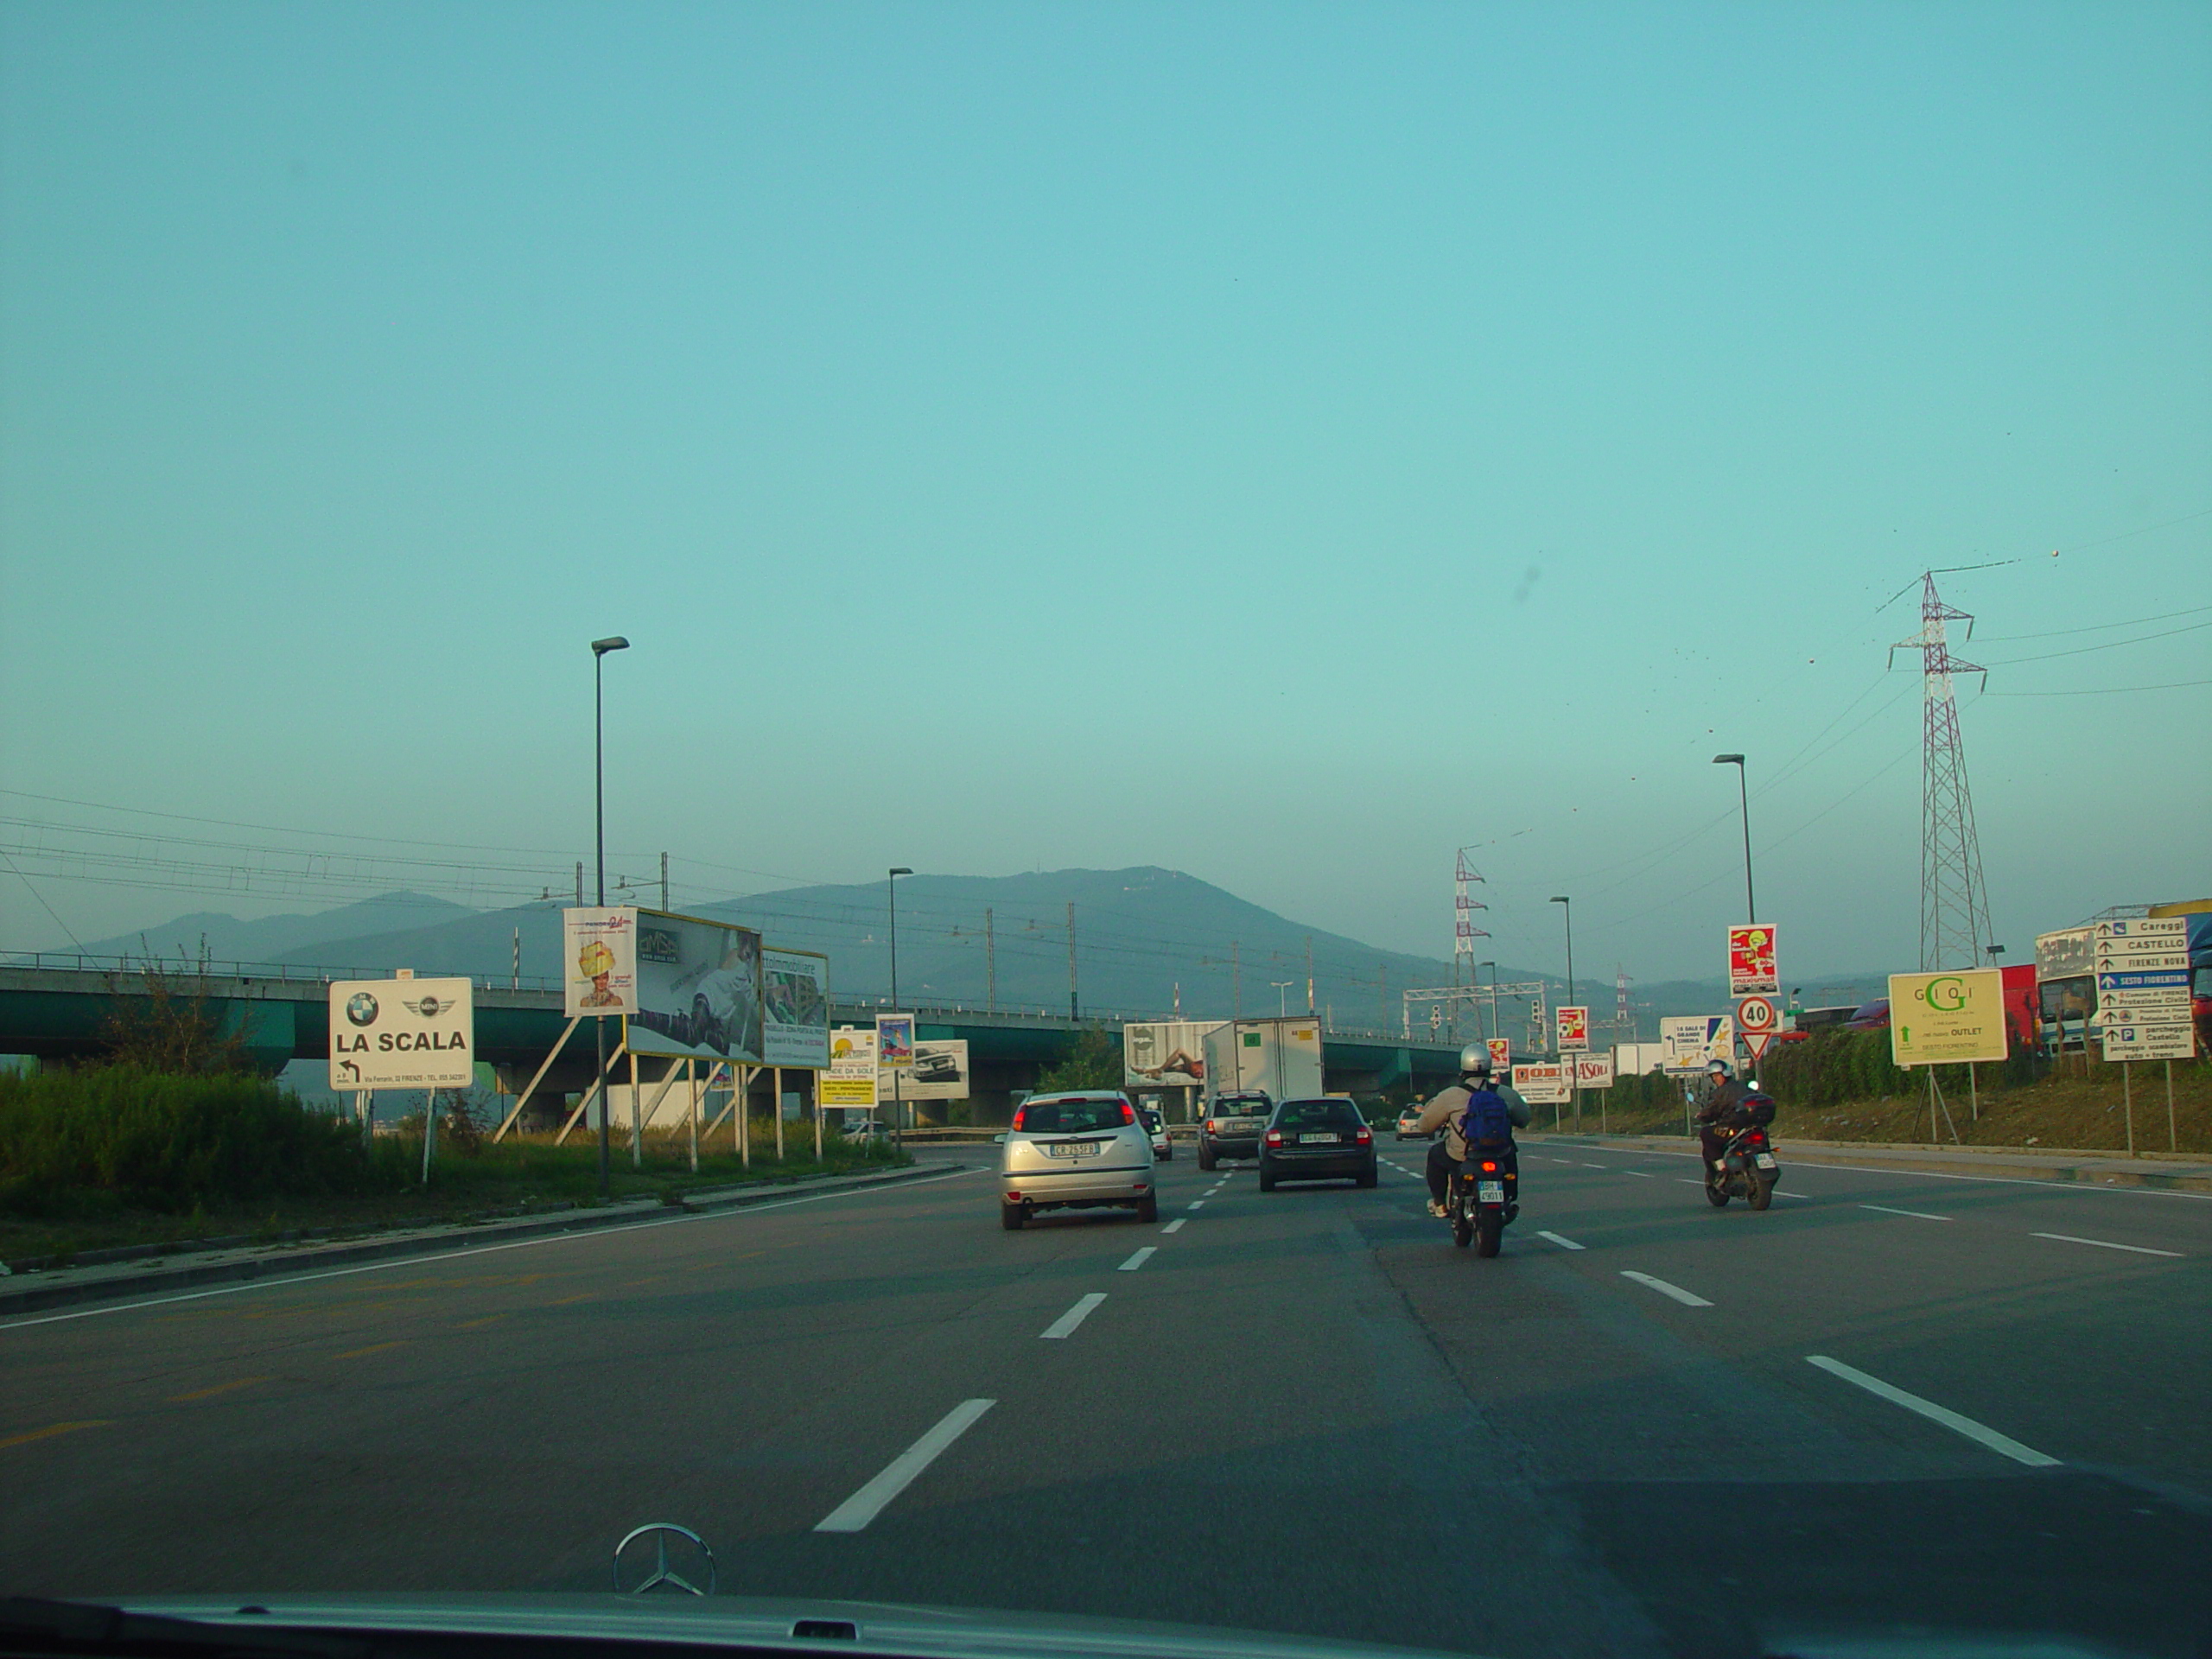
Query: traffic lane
x,y
1250,1431
1968,1314
2144,1216
704,1355
1657,1425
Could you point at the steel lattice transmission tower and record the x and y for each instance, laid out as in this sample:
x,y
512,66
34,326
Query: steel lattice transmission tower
x,y
1953,900
1464,906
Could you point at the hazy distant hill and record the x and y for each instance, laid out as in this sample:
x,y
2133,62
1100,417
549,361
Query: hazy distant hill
x,y
1143,937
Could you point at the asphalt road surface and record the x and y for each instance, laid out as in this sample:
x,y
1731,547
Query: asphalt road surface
x,y
1894,1402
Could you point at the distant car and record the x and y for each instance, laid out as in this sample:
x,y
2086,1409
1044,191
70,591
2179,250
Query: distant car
x,y
1232,1126
1163,1144
1081,1148
1871,1016
1409,1126
866,1128
1317,1141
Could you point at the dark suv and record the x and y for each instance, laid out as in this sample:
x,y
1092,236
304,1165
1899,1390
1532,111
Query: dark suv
x,y
1232,1126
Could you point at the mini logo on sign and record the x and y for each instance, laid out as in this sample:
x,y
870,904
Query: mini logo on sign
x,y
361,1008
429,1008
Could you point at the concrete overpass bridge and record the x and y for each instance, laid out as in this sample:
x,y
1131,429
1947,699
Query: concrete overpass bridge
x,y
64,1008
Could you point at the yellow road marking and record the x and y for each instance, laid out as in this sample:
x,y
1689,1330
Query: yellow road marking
x,y
58,1429
220,1387
373,1348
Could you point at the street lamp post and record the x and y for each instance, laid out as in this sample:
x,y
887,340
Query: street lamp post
x,y
1282,996
599,649
1492,966
898,1099
1575,1094
1744,800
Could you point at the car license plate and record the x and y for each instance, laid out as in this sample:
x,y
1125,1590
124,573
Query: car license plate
x,y
1317,1140
1074,1148
1489,1191
1766,1160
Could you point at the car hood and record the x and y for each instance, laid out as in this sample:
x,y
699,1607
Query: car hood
x,y
881,1628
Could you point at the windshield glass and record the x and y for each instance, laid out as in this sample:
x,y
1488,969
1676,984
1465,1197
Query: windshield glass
x,y
612,624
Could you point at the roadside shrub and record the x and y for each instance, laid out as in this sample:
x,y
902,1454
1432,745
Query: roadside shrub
x,y
1833,1067
166,1142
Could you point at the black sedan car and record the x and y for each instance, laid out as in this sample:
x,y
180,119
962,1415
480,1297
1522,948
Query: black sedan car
x,y
1317,1141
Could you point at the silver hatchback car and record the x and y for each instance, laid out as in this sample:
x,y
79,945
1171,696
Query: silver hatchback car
x,y
1077,1149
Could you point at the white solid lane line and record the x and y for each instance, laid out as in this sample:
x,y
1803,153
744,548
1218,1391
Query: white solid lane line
x,y
2106,1245
1138,1259
1936,1414
863,1506
1684,1297
1065,1324
1917,1215
1686,1181
1564,1244
1639,1175
1175,1226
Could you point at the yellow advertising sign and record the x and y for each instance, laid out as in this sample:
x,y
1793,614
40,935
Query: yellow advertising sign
x,y
1947,1019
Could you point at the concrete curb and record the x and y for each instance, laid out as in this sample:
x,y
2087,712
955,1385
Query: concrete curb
x,y
2086,1169
281,1263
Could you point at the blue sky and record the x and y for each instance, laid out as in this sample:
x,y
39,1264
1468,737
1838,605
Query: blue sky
x,y
1286,443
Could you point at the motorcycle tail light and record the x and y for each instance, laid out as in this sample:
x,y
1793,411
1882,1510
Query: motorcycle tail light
x,y
1489,1168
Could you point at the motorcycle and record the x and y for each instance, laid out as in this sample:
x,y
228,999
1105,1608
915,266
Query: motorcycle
x,y
1746,1169
1480,1202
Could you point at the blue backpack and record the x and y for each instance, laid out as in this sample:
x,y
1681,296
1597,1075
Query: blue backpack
x,y
1486,1122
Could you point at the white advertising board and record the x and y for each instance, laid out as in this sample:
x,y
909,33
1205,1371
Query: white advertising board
x,y
795,1000
599,959
939,1071
1169,1054
698,989
402,1034
1692,1041
850,1079
1593,1070
1543,1083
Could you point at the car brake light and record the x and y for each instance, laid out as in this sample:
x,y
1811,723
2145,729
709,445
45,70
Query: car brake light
x,y
1019,1113
1489,1168
1365,1135
1274,1137
1212,1128
1011,1196
1128,1115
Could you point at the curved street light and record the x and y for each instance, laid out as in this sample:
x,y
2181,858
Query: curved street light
x,y
599,650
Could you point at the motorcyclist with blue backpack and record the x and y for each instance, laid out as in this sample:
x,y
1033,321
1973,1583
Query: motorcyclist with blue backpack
x,y
1473,1113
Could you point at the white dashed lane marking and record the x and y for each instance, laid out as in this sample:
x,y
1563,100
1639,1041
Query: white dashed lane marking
x,y
1173,1226
1917,1215
1065,1324
1981,1432
1138,1259
2106,1245
1564,1244
1688,1299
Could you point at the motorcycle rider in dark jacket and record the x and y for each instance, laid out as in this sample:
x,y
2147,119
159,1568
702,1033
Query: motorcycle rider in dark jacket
x,y
1720,1108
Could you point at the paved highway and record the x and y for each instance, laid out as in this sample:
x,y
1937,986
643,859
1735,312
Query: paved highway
x,y
1648,1428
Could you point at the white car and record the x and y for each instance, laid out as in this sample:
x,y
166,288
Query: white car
x,y
1078,1149
1163,1144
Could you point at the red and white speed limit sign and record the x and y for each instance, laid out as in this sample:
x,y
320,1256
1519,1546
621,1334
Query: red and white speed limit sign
x,y
1755,1015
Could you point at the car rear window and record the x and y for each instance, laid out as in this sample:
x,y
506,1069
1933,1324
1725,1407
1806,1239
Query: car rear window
x,y
1230,1106
1319,1114
1070,1116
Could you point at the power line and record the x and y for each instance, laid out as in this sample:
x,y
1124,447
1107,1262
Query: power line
x,y
2092,627
2102,690
2109,644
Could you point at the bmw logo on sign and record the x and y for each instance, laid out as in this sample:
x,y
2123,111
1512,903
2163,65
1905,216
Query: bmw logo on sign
x,y
361,1008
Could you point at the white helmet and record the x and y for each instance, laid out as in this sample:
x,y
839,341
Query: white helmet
x,y
1720,1069
1474,1060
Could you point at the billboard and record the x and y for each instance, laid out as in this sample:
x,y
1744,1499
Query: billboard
x,y
1572,1029
1501,1054
402,1034
1543,1083
698,989
939,1071
1593,1070
895,1042
1752,970
1690,1041
1947,1018
850,1079
1169,1054
795,1003
598,960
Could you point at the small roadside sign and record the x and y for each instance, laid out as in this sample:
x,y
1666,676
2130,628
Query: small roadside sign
x,y
1751,970
1755,1015
402,1034
2171,1041
1572,1026
2140,962
1501,1055
1593,1070
2145,927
